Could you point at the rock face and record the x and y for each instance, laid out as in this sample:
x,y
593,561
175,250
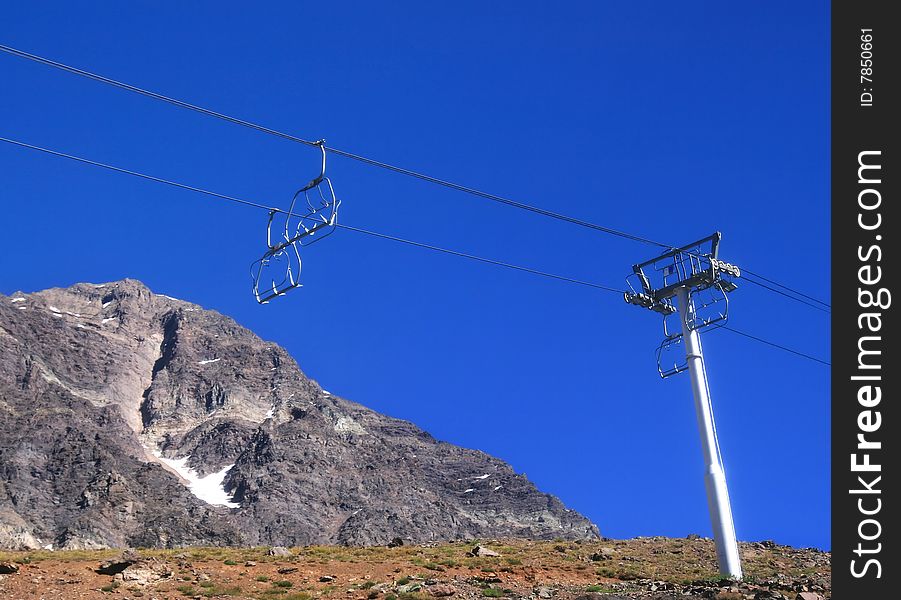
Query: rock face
x,y
134,419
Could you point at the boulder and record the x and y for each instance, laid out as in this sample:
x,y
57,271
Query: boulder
x,y
483,551
7,568
117,565
603,554
145,573
441,590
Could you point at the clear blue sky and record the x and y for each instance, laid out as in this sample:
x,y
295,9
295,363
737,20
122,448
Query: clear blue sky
x,y
669,120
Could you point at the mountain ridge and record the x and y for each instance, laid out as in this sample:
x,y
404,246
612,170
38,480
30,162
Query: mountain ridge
x,y
119,406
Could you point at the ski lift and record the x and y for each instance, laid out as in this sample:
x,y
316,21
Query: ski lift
x,y
654,284
671,357
644,297
709,307
318,220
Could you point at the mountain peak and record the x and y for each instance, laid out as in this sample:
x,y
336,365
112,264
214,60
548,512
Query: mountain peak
x,y
131,418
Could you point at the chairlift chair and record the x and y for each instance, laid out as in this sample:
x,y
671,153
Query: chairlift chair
x,y
319,220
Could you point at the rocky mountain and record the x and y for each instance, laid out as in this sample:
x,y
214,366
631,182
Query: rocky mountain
x,y
129,418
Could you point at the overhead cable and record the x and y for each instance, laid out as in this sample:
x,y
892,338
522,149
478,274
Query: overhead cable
x,y
376,163
423,245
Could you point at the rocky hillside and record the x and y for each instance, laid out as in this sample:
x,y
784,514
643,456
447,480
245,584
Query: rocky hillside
x,y
637,569
134,419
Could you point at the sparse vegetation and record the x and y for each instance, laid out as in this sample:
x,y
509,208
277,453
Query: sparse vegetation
x,y
680,563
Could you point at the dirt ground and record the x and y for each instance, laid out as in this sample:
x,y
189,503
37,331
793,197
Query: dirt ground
x,y
656,568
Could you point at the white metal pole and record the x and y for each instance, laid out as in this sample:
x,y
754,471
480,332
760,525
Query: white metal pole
x,y
714,476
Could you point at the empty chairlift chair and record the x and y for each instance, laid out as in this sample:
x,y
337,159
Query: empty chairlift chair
x,y
278,271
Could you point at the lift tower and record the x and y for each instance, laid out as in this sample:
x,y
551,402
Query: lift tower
x,y
700,283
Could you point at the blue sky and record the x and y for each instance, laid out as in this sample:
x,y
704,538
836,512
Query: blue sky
x,y
669,121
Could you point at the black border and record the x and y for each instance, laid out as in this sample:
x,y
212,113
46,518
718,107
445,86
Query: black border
x,y
857,128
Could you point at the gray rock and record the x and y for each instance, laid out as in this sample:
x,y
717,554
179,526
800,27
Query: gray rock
x,y
7,568
145,573
483,551
441,590
117,565
408,588
97,383
279,551
605,553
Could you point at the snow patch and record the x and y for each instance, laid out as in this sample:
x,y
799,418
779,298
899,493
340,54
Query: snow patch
x,y
57,315
270,413
105,304
53,309
208,361
167,297
485,476
326,392
14,300
108,319
498,487
469,490
22,307
210,489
